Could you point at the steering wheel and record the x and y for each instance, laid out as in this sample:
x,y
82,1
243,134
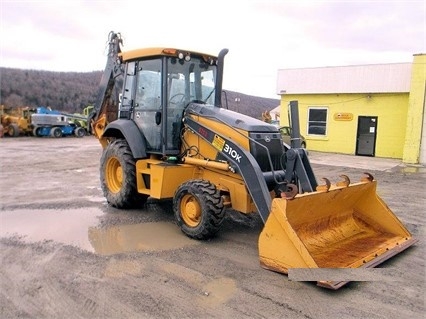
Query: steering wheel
x,y
176,96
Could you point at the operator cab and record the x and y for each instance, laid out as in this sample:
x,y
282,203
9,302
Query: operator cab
x,y
158,88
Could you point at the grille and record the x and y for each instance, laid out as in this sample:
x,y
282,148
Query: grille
x,y
274,147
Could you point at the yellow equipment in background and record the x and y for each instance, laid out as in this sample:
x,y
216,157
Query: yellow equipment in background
x,y
16,121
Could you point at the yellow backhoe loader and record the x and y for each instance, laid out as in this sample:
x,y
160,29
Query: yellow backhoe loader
x,y
164,135
16,121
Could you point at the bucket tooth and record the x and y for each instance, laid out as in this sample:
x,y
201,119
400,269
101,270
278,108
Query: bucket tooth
x,y
345,182
326,187
367,177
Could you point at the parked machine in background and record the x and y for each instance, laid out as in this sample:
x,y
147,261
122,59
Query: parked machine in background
x,y
16,121
48,122
165,135
42,121
82,120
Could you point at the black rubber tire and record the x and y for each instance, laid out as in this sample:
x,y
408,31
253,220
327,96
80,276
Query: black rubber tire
x,y
36,131
79,132
13,130
202,196
118,176
56,132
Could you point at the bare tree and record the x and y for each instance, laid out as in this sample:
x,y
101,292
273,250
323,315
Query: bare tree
x,y
14,100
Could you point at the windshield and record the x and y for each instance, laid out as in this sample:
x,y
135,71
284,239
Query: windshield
x,y
192,80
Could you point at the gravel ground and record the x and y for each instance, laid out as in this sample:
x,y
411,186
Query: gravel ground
x,y
65,254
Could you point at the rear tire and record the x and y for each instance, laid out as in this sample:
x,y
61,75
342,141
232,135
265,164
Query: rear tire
x,y
13,130
199,209
79,132
56,132
118,176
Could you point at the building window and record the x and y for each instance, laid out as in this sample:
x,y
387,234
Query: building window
x,y
317,121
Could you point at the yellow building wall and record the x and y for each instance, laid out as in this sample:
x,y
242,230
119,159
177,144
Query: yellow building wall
x,y
341,135
416,110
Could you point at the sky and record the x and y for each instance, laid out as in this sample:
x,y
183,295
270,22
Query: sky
x,y
263,36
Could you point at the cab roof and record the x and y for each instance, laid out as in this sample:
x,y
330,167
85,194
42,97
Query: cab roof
x,y
150,52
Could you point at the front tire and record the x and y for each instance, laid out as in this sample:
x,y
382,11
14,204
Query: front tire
x,y
118,176
36,131
199,209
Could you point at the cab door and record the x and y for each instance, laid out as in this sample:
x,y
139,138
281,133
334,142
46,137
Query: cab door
x,y
148,103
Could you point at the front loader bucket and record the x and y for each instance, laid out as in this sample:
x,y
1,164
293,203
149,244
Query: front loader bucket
x,y
342,227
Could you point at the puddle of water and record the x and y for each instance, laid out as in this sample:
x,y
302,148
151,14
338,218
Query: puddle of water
x,y
215,292
79,227
156,236
219,291
64,226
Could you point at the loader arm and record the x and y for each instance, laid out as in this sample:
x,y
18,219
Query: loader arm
x,y
298,168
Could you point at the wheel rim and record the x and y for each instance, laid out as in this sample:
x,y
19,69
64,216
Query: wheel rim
x,y
190,210
114,175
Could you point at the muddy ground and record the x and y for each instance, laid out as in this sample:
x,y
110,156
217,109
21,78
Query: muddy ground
x,y
65,254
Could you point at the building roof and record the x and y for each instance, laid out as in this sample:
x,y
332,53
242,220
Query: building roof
x,y
373,78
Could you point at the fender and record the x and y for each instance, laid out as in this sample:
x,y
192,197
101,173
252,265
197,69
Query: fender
x,y
130,131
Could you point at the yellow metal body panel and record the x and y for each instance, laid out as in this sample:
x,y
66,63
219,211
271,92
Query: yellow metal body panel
x,y
233,184
346,227
225,181
239,137
160,179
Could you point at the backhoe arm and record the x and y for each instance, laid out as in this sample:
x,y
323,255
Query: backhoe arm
x,y
106,107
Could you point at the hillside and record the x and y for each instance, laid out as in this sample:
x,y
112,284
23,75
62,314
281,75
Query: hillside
x,y
73,91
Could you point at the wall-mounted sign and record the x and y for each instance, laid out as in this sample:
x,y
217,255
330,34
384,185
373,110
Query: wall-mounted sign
x,y
343,116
